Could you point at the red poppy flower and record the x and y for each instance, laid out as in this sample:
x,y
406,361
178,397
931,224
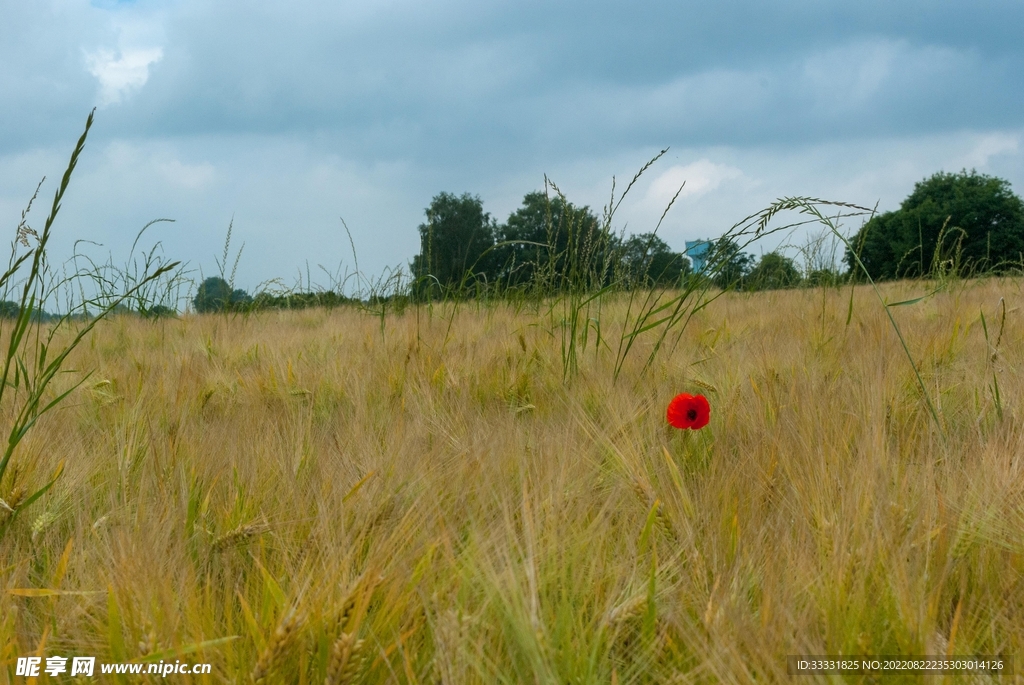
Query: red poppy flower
x,y
689,411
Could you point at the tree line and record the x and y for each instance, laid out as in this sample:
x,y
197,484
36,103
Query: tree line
x,y
548,244
966,222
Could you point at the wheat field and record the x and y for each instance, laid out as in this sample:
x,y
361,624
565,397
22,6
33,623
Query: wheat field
x,y
426,497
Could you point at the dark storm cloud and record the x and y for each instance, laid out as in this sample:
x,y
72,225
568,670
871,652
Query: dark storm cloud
x,y
43,85
287,115
418,80
421,79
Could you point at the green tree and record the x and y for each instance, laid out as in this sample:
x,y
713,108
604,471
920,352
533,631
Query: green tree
x,y
299,300
726,263
969,217
528,241
215,294
9,310
551,243
824,277
773,271
457,234
160,311
646,260
12,310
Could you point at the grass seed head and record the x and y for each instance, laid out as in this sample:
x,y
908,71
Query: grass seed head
x,y
9,506
278,646
346,660
239,536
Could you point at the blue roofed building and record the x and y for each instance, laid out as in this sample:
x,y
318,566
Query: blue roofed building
x,y
697,251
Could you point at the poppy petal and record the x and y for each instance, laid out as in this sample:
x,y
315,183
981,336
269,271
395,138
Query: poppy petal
x,y
688,411
703,409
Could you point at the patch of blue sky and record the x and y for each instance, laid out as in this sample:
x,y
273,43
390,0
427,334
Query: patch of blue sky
x,y
111,4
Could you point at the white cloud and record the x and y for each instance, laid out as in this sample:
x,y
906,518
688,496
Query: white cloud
x,y
191,176
289,115
121,72
868,75
700,177
855,72
989,146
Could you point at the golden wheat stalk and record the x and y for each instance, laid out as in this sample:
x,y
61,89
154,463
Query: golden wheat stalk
x,y
149,644
701,384
8,507
347,607
239,536
346,660
631,608
278,645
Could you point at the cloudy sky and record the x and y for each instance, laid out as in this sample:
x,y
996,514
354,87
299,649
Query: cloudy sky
x,y
287,116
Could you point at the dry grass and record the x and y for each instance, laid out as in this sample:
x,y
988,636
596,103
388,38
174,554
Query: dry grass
x,y
422,507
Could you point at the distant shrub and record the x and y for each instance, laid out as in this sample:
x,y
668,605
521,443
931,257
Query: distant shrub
x,y
727,264
647,260
12,310
823,277
305,300
215,294
160,312
773,271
